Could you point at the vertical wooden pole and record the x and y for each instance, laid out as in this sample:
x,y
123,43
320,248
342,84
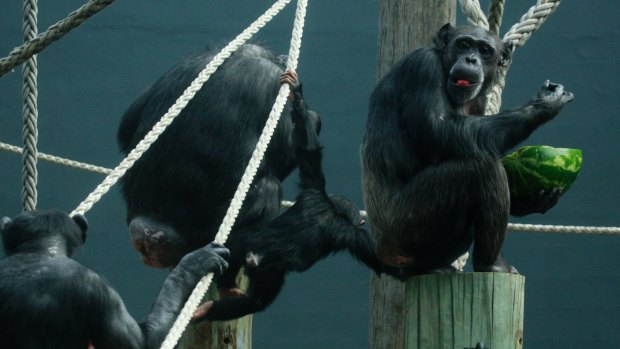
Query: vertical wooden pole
x,y
403,26
234,334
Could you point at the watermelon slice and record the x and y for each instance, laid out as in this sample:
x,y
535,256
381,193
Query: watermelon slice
x,y
534,168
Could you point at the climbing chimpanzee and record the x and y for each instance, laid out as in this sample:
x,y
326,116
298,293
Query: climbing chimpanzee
x,y
49,300
178,192
314,227
432,177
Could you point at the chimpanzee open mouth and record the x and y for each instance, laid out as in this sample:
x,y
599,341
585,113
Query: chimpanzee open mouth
x,y
464,82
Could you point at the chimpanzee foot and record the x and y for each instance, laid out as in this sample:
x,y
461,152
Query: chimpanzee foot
x,y
500,266
443,269
202,311
231,292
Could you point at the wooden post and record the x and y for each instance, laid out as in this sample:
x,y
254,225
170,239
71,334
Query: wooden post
x,y
403,26
456,311
234,334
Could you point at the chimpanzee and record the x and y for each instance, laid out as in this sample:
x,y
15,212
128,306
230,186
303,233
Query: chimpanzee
x,y
49,300
432,177
314,227
178,192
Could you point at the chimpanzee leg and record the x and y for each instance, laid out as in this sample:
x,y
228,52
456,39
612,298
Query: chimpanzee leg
x,y
490,223
361,245
264,287
261,207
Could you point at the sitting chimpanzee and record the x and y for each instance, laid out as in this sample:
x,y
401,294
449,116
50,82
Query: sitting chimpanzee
x,y
48,300
432,176
314,227
178,192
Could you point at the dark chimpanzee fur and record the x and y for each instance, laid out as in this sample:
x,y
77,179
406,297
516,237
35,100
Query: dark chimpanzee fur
x,y
48,300
178,193
433,181
316,226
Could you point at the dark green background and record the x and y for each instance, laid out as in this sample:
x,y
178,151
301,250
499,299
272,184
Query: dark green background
x,y
87,80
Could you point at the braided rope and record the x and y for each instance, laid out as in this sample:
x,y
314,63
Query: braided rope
x,y
176,108
496,13
518,36
29,112
37,43
203,285
58,160
475,16
363,214
563,229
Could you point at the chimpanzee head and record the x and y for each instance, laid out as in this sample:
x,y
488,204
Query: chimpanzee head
x,y
36,231
471,57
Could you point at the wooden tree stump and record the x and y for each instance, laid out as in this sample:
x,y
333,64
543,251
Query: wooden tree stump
x,y
233,334
456,311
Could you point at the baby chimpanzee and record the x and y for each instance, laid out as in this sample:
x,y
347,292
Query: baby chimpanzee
x,y
48,300
316,226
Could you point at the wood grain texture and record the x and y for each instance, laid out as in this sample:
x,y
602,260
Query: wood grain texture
x,y
447,311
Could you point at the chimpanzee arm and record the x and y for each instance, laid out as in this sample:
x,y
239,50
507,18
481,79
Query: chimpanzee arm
x,y
116,327
177,288
425,109
496,134
308,147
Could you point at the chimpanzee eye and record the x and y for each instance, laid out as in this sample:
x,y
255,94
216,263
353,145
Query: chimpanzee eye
x,y
485,51
462,45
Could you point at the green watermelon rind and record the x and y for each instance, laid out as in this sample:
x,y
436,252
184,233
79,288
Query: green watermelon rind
x,y
534,168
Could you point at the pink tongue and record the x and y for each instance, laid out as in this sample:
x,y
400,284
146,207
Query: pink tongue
x,y
463,82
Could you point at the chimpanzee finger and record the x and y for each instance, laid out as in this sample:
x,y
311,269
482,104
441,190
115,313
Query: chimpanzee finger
x,y
219,249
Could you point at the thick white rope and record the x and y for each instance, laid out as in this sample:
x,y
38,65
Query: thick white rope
x,y
563,229
475,15
176,108
518,36
39,42
30,112
246,180
58,160
496,13
529,227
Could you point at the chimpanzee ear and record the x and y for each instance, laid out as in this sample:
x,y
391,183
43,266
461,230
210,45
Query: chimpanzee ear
x,y
4,222
82,223
443,36
506,54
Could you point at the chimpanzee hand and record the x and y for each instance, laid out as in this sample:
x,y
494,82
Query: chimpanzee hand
x,y
290,77
552,97
208,259
538,203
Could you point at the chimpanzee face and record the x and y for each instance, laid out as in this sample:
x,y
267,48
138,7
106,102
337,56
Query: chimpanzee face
x,y
471,58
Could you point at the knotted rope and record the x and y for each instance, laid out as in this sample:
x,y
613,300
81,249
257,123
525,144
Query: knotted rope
x,y
233,210
29,112
37,43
